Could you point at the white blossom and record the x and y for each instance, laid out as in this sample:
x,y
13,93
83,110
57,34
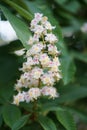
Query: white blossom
x,y
52,49
44,59
51,38
47,79
41,68
48,26
34,93
37,72
18,98
49,91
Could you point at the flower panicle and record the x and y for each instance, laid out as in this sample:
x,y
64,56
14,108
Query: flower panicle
x,y
41,69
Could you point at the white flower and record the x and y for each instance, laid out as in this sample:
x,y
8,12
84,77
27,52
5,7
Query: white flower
x,y
26,67
18,98
37,72
33,24
36,59
33,82
26,97
30,41
38,29
34,93
30,61
51,38
35,49
57,76
44,20
22,82
54,68
36,38
47,79
49,91
38,16
54,65
48,26
44,59
56,61
52,49
18,85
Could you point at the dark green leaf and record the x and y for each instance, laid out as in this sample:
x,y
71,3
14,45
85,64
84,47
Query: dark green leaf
x,y
46,123
11,114
71,93
66,119
20,122
81,114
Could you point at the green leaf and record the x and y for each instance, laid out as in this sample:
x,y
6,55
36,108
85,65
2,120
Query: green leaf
x,y
61,1
20,122
71,93
66,119
9,64
19,26
32,126
81,114
71,6
11,114
68,69
20,10
80,56
46,123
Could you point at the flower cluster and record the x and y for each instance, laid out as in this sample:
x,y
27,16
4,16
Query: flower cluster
x,y
41,69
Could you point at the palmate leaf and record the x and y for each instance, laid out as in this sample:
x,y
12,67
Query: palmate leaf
x,y
66,119
46,123
20,122
11,114
19,26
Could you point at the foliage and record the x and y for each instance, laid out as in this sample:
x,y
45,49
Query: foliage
x,y
69,109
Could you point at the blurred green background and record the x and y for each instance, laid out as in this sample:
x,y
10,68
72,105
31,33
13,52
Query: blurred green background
x,y
70,19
